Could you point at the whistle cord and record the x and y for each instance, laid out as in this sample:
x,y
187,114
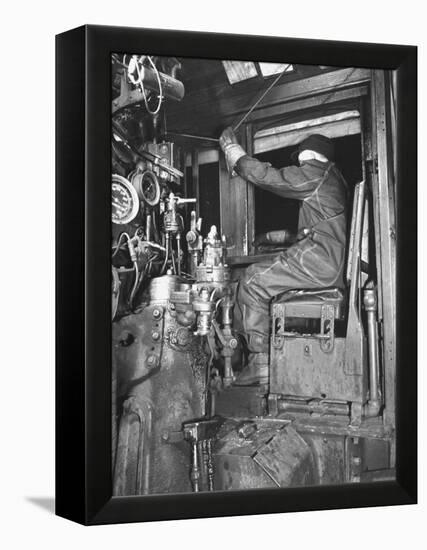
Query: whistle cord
x,y
258,101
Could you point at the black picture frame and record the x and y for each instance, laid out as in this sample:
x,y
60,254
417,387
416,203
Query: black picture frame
x,y
83,322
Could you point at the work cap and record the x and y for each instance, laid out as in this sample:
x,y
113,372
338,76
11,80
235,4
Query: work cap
x,y
316,142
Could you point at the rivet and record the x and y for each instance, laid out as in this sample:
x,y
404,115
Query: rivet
x,y
151,361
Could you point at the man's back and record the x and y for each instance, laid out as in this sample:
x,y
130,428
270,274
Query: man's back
x,y
319,252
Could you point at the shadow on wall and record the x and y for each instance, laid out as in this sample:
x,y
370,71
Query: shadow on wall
x,y
47,503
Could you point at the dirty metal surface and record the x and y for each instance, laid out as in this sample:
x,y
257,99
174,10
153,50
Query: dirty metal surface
x,y
268,455
329,457
301,368
242,402
287,459
234,466
164,377
273,452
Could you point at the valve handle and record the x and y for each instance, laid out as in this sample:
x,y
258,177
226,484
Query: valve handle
x,y
181,201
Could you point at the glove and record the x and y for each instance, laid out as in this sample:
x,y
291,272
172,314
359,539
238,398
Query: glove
x,y
228,137
261,239
232,150
278,237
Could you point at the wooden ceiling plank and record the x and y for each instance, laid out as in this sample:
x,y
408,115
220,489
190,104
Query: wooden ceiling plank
x,y
192,111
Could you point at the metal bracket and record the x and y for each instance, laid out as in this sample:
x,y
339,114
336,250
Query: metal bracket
x,y
327,328
278,326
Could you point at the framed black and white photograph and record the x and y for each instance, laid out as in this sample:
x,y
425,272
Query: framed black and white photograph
x,y
235,277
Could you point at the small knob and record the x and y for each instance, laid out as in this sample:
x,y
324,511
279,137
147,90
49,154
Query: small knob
x,y
157,313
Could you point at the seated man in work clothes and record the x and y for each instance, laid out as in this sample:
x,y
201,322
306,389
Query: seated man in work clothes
x,y
315,260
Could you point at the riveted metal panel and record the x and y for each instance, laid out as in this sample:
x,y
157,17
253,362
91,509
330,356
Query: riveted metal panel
x,y
301,368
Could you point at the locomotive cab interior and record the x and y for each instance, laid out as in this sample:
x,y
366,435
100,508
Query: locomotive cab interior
x,y
184,230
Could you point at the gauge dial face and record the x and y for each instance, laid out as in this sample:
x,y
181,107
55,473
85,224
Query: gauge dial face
x,y
125,202
147,187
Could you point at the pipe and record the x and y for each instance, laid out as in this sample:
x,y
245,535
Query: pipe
x,y
231,343
172,257
148,227
172,88
192,136
210,466
135,284
373,406
178,251
165,263
195,470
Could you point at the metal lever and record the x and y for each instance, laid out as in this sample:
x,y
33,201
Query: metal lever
x,y
182,201
200,434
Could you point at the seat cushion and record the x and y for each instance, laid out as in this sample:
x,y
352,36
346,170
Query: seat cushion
x,y
308,303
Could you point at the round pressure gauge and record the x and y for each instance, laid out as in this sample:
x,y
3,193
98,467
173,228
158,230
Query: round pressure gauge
x,y
125,202
147,187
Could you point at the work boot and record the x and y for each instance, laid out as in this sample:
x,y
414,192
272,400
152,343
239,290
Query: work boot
x,y
256,371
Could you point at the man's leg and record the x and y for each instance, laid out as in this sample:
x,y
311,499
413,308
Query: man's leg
x,y
256,289
260,283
